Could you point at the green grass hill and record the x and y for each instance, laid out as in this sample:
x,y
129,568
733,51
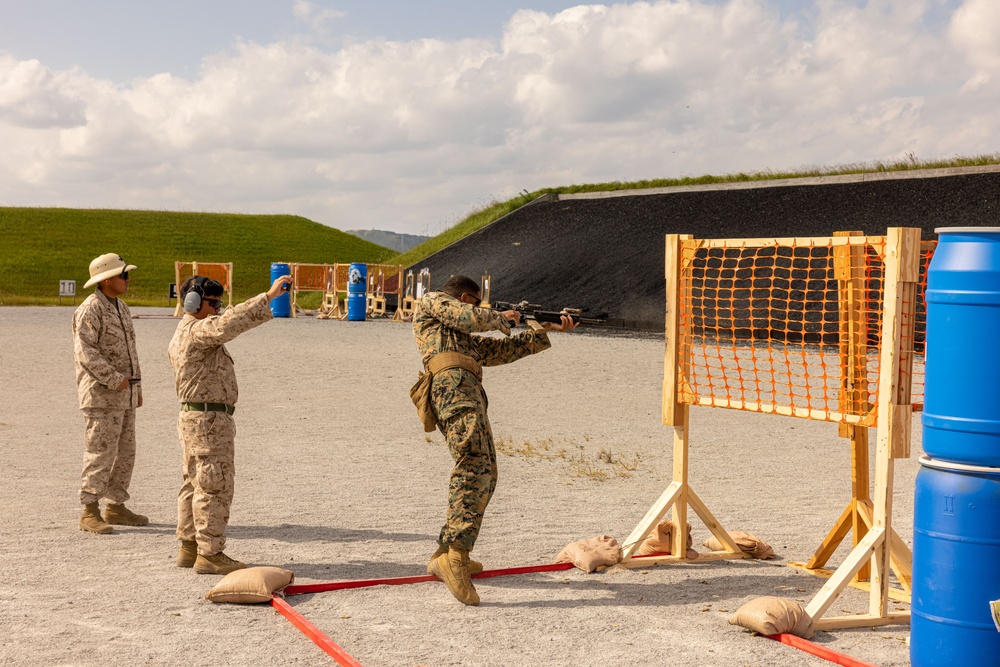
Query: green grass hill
x,y
41,246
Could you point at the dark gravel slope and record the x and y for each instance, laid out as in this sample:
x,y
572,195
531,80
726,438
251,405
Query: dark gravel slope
x,y
607,254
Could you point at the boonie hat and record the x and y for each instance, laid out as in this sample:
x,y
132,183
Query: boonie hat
x,y
107,266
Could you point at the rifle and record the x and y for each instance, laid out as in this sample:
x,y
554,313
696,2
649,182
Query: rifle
x,y
533,314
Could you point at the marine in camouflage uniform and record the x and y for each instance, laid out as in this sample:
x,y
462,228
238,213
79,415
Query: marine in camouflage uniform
x,y
444,322
106,359
206,387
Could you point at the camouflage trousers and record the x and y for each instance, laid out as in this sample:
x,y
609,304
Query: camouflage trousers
x,y
109,455
473,479
208,466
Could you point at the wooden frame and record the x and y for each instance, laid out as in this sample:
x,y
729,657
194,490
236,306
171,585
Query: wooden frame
x,y
486,287
404,309
679,495
228,284
858,517
901,275
877,546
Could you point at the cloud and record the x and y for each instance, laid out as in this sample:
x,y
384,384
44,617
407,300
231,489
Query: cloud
x,y
316,18
410,135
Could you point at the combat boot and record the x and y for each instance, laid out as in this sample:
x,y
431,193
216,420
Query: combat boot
x,y
218,563
123,516
187,554
91,520
453,569
475,567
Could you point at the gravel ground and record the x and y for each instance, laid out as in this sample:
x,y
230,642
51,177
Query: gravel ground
x,y
336,480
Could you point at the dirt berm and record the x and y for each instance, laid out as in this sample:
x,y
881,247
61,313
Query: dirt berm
x,y
605,252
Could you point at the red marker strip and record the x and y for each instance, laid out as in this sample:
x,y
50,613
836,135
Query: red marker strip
x,y
815,649
329,646
402,581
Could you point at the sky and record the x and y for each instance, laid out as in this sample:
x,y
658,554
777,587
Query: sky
x,y
406,116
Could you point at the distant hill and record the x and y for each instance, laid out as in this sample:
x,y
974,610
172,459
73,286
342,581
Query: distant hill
x,y
42,246
393,240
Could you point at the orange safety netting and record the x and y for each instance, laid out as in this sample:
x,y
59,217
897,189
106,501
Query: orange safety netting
x,y
221,272
791,327
313,277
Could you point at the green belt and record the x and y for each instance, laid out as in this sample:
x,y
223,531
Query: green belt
x,y
208,407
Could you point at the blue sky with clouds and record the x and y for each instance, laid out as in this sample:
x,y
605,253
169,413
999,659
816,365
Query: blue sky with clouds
x,y
405,116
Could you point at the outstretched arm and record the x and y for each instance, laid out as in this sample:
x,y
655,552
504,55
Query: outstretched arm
x,y
462,317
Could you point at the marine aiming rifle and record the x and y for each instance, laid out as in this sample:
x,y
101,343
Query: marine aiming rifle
x,y
533,314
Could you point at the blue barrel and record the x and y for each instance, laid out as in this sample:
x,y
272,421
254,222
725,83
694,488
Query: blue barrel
x,y
961,417
357,304
357,279
282,306
956,565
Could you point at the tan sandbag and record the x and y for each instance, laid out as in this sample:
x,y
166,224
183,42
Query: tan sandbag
x,y
591,554
250,585
420,394
661,540
772,615
748,544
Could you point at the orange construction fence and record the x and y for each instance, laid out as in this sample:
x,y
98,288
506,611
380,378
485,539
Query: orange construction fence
x,y
220,271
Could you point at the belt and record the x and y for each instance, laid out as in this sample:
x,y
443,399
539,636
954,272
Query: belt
x,y
208,407
443,360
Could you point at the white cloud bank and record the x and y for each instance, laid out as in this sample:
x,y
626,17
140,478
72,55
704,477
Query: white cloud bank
x,y
411,135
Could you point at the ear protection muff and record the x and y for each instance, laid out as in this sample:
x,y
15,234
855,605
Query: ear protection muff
x,y
192,300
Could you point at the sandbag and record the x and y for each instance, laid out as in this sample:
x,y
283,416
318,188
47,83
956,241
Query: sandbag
x,y
748,544
250,585
420,394
591,554
661,540
773,615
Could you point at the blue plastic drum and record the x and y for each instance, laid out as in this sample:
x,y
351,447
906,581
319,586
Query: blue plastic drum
x,y
961,416
357,304
357,279
956,565
281,306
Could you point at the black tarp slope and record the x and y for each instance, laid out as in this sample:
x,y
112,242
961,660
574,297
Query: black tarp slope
x,y
607,254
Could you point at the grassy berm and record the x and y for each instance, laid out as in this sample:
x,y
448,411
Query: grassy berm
x,y
41,246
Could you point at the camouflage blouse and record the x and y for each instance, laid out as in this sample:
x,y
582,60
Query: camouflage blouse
x,y
203,367
442,323
105,353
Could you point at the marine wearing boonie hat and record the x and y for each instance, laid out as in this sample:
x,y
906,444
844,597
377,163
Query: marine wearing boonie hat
x,y
109,391
107,266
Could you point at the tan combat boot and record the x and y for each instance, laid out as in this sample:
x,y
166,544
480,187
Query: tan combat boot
x,y
91,520
123,516
453,569
187,554
475,567
219,563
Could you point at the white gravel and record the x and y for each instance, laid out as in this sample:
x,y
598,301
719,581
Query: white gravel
x,y
336,480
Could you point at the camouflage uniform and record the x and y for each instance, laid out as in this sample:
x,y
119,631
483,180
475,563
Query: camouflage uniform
x,y
442,323
105,353
204,373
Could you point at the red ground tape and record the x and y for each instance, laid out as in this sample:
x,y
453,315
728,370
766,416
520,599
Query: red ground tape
x,y
819,651
329,646
402,581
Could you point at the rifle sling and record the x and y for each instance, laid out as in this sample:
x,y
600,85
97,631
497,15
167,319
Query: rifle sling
x,y
443,360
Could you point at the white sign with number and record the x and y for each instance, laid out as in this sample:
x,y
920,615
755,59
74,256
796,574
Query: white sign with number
x,y
67,288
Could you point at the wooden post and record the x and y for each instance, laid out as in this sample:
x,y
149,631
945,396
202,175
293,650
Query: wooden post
x,y
902,268
676,413
485,303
